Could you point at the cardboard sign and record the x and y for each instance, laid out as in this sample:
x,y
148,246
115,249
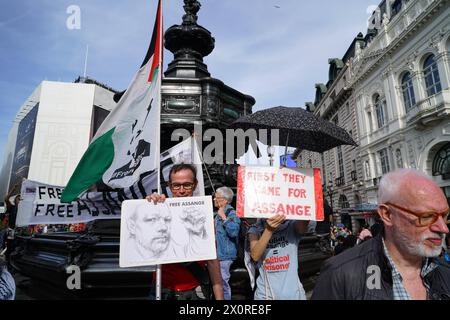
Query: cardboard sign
x,y
266,191
178,230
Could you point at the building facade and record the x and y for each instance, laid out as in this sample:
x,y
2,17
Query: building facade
x,y
400,80
341,168
52,130
391,92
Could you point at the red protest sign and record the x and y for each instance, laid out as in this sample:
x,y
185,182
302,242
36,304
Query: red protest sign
x,y
267,191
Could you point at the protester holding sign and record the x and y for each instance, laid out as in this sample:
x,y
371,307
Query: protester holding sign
x,y
274,248
180,281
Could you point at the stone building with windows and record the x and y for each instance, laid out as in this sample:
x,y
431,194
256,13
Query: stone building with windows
x,y
391,92
341,171
400,81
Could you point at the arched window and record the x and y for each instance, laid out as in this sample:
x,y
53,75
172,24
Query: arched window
x,y
441,162
396,7
343,202
379,110
357,199
431,74
384,161
408,91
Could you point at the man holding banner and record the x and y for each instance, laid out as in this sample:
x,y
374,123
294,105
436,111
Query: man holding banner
x,y
180,281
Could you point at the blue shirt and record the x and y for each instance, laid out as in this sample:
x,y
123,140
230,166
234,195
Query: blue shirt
x,y
227,234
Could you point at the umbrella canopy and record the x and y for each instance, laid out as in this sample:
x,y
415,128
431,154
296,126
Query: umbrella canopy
x,y
297,128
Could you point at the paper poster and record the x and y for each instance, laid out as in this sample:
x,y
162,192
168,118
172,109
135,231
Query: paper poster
x,y
266,191
178,230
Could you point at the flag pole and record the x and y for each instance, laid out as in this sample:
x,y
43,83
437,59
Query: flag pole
x,y
158,148
85,61
197,147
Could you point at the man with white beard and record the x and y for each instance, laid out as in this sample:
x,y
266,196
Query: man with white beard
x,y
402,262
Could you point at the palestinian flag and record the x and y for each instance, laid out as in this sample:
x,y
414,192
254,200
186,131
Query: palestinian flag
x,y
127,143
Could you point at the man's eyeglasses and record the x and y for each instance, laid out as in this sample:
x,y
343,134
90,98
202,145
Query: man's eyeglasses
x,y
186,186
424,218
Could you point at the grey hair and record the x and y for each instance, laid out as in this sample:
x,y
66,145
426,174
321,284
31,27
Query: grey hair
x,y
226,192
391,184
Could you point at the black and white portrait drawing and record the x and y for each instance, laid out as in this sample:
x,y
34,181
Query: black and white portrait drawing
x,y
178,230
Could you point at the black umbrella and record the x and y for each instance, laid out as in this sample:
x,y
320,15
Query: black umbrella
x,y
297,128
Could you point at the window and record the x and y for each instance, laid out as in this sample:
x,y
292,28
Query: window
x,y
431,74
324,171
379,110
441,162
353,174
335,120
357,199
408,91
384,160
343,202
340,162
396,7
399,159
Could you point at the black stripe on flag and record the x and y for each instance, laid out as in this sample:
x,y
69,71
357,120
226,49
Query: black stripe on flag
x,y
151,48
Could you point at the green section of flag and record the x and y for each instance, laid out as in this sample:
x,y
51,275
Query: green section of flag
x,y
95,161
155,73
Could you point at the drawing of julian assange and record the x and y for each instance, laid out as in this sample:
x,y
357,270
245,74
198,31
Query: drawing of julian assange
x,y
150,230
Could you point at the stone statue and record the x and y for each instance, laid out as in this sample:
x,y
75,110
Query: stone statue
x,y
191,7
385,19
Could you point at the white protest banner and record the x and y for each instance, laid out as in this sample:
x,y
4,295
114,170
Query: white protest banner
x,y
178,230
266,191
41,202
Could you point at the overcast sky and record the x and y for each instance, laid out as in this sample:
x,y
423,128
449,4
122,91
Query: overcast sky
x,y
274,50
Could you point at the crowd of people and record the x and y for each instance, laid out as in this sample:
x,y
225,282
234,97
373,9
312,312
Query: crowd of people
x,y
405,246
342,238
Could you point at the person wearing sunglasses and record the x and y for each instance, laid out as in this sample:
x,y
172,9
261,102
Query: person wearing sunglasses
x,y
402,262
